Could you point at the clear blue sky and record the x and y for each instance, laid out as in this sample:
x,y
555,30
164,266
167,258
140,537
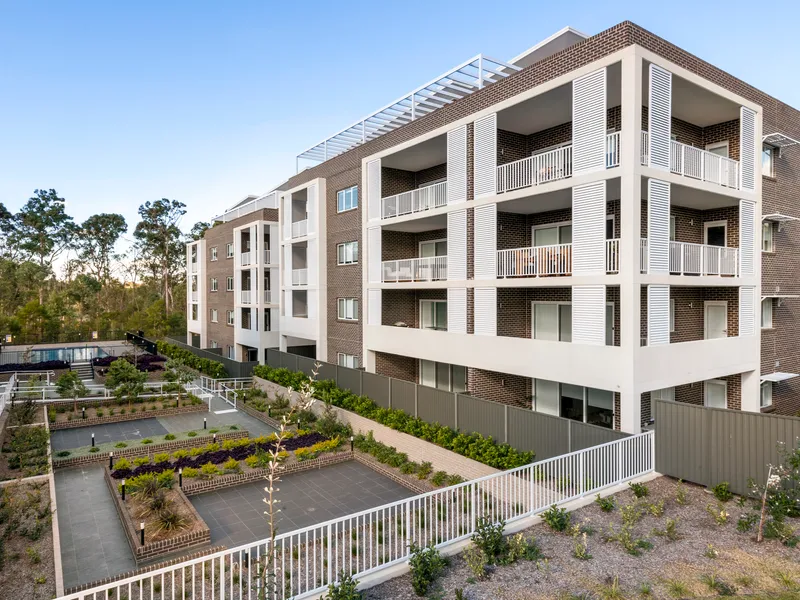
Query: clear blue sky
x,y
114,103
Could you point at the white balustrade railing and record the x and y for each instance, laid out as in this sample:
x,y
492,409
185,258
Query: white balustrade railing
x,y
246,296
194,296
612,149
299,276
421,199
697,163
299,228
245,259
695,259
268,296
548,261
267,260
8,391
194,267
433,268
306,561
612,256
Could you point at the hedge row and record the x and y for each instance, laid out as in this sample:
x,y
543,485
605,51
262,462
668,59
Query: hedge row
x,y
472,445
206,366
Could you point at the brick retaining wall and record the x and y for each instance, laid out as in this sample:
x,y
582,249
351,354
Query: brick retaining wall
x,y
164,412
411,482
151,550
257,414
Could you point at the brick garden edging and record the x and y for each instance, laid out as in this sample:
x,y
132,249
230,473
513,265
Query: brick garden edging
x,y
411,482
226,481
149,449
257,414
152,550
164,412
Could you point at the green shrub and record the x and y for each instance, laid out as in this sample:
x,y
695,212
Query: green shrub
x,y
141,460
345,589
122,463
206,366
639,490
213,430
426,565
120,445
191,434
232,466
439,478
722,491
169,436
424,470
557,518
161,457
489,538
190,472
179,454
607,504
208,470
94,449
63,453
147,440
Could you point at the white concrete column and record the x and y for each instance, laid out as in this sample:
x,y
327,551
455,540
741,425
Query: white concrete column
x,y
751,391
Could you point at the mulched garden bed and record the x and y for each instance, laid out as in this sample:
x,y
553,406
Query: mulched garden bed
x,y
24,452
97,409
705,559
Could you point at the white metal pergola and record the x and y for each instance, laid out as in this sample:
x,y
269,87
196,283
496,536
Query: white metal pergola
x,y
461,81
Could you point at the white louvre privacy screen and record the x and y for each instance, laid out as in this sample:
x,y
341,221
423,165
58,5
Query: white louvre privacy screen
x,y
374,254
485,242
486,311
657,315
747,237
287,265
457,165
747,310
311,209
747,148
308,560
485,151
457,245
287,216
589,122
374,299
589,314
374,189
589,229
658,201
457,310
418,200
660,117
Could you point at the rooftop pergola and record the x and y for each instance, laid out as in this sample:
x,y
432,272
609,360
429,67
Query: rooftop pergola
x,y
453,85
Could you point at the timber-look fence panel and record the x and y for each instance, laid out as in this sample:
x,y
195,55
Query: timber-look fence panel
x,y
403,396
482,416
712,445
377,387
349,379
436,406
546,435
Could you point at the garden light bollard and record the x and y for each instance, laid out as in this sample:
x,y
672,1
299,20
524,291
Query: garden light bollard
x,y
215,438
269,410
111,461
351,443
83,412
123,490
180,477
204,423
92,440
141,526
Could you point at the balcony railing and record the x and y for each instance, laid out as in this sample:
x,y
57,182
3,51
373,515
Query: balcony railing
x,y
696,259
268,296
549,166
299,228
246,298
245,259
267,260
697,163
415,269
299,276
421,199
194,296
548,261
194,267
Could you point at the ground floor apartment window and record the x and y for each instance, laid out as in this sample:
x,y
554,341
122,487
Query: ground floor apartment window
x,y
347,360
766,394
433,314
451,378
232,352
588,405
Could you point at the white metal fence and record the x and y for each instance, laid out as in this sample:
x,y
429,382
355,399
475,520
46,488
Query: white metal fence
x,y
299,276
432,268
612,256
696,163
696,259
246,296
421,199
244,259
267,257
307,560
548,261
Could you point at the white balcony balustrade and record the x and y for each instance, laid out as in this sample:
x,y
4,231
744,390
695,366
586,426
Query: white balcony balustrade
x,y
697,163
194,296
268,296
244,259
697,259
433,268
548,261
246,296
419,200
194,267
267,260
300,228
299,276
549,166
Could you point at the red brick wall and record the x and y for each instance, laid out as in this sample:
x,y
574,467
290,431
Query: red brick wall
x,y
397,245
690,311
499,387
394,365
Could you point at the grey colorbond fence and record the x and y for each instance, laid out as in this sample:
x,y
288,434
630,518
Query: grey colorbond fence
x,y
233,367
523,429
711,445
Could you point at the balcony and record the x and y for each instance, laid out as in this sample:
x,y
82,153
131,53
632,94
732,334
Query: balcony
x,y
433,268
548,261
300,228
268,296
418,200
194,296
697,163
267,260
696,259
245,259
299,276
549,166
246,296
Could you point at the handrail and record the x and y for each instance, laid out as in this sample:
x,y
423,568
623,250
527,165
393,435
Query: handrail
x,y
417,200
696,163
432,268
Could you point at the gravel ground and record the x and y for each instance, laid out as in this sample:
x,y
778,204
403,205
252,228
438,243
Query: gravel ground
x,y
769,568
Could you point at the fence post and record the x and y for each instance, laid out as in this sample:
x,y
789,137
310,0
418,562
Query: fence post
x,y
330,557
416,400
619,463
455,412
581,473
505,423
569,437
390,392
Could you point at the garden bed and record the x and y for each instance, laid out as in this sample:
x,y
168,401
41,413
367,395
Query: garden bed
x,y
697,556
27,562
24,452
62,415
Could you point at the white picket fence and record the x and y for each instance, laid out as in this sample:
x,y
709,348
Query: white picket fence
x,y
307,560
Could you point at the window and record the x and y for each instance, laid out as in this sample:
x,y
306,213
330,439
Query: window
x,y
766,313
214,284
348,309
553,321
766,394
194,312
588,405
767,244
550,235
214,253
232,352
718,148
347,360
214,315
767,160
230,284
671,315
229,316
451,378
667,394
347,253
229,250
433,248
347,199
214,344
433,314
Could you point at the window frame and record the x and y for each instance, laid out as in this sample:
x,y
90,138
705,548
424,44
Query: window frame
x,y
770,150
660,395
345,306
723,144
434,242
229,250
342,199
214,315
768,226
342,359
436,366
766,385
230,284
230,318
214,284
608,304
672,315
214,254
354,253
764,303
422,302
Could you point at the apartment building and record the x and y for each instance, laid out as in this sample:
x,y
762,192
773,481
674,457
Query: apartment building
x,y
232,276
598,222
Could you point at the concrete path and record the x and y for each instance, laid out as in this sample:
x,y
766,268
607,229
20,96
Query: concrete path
x,y
65,439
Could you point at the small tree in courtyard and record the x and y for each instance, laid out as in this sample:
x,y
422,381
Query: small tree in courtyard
x,y
125,380
179,375
69,385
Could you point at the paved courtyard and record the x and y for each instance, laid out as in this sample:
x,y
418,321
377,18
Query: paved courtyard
x,y
236,515
65,439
